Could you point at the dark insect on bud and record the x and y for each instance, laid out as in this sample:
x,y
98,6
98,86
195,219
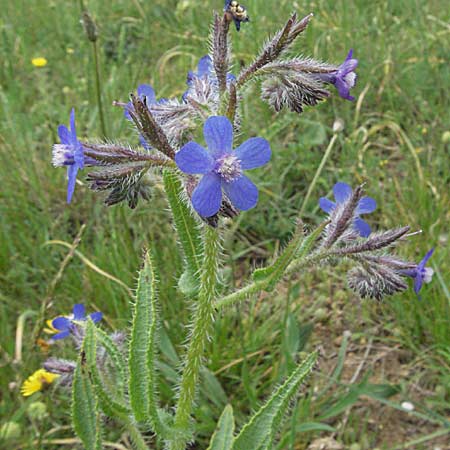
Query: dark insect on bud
x,y
237,12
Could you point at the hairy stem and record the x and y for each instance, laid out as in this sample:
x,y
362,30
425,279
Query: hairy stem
x,y
258,286
201,326
136,435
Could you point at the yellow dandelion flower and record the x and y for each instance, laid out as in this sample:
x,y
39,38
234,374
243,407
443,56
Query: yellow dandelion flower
x,y
39,62
38,381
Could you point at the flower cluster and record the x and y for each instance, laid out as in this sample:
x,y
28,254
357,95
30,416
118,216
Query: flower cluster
x,y
55,368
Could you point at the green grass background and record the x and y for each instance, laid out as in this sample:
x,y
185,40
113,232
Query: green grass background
x,y
396,139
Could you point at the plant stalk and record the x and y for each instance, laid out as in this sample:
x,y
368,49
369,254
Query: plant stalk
x,y
98,89
202,323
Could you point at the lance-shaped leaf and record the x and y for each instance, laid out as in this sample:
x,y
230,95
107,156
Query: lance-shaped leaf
x,y
222,438
298,248
142,351
187,229
261,430
110,402
85,415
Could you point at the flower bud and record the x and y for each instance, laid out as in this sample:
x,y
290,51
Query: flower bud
x,y
89,26
37,410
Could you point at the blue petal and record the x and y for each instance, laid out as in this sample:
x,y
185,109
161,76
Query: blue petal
x,y
218,133
79,311
326,205
96,317
126,111
143,142
255,152
72,177
207,196
72,127
193,158
242,193
363,227
64,135
418,282
230,77
204,66
343,89
342,191
61,323
366,205
424,261
145,90
61,335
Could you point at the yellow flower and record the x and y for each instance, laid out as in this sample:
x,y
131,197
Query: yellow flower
x,y
50,328
39,62
37,381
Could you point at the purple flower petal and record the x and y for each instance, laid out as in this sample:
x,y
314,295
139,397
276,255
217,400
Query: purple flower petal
x,y
145,90
61,323
79,311
204,66
72,127
193,158
342,191
425,259
255,152
366,205
242,193
326,205
218,133
418,282
363,227
207,196
96,317
61,335
64,135
349,65
343,89
72,177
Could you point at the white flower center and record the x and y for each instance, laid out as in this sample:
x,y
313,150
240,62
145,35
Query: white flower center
x,y
229,168
427,274
350,79
62,154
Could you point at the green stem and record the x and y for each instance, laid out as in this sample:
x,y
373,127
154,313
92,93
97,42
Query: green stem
x,y
98,89
318,172
258,286
201,327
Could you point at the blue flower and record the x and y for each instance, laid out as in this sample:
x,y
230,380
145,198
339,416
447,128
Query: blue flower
x,y
238,12
69,153
421,274
205,69
344,78
64,325
222,167
342,193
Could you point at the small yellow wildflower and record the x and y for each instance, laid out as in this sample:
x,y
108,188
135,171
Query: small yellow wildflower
x,y
70,51
37,381
50,328
39,62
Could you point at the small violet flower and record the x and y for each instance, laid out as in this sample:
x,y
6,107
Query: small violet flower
x,y
69,153
421,274
238,12
342,193
344,78
205,69
64,325
222,167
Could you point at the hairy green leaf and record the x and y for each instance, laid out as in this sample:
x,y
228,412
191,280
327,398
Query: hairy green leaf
x,y
222,438
85,415
110,402
142,351
261,430
188,232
